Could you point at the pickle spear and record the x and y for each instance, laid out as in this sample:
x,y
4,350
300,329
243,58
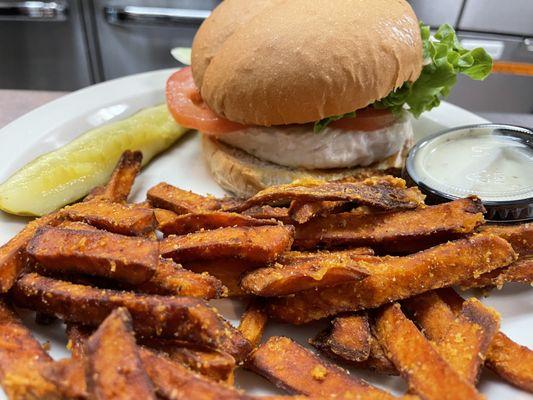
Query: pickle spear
x,y
67,174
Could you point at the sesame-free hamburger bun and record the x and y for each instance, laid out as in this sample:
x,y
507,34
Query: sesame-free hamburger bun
x,y
274,62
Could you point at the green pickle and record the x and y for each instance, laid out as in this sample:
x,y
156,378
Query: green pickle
x,y
67,174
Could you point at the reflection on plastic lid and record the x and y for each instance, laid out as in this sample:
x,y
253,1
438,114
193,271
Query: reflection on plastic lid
x,y
494,162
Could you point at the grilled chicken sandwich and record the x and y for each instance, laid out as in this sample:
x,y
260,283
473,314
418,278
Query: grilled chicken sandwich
x,y
287,89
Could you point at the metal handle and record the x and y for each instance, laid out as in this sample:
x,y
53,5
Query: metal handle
x,y
528,42
153,15
33,11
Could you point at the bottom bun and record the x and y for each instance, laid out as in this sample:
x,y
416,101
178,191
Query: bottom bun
x,y
244,175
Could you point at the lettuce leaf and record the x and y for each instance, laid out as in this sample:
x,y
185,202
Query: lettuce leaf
x,y
445,59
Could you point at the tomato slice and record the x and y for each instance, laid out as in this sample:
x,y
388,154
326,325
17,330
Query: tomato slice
x,y
366,119
188,108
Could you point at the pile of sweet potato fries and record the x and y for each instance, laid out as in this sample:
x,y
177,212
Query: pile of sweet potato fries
x,y
132,282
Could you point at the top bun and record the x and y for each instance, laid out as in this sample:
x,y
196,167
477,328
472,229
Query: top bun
x,y
297,61
221,24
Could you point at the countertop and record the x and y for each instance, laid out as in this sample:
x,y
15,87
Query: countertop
x,y
14,103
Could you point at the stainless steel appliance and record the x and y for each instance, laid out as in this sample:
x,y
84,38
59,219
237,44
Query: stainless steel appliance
x,y
136,36
435,13
43,45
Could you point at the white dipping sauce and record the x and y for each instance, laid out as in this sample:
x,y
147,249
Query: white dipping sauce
x,y
486,163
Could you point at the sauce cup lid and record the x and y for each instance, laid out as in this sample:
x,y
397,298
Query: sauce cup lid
x,y
491,161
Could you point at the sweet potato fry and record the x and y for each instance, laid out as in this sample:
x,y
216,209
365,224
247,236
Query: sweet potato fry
x,y
125,259
295,272
396,278
521,271
114,368
511,361
82,226
373,192
268,212
258,244
164,216
290,257
77,337
229,271
77,225
118,188
187,223
297,370
228,201
172,279
214,364
180,201
377,361
347,337
462,340
21,357
427,372
389,175
12,254
451,298
302,212
177,382
184,318
465,344
520,236
68,375
253,322
393,232
432,315
113,217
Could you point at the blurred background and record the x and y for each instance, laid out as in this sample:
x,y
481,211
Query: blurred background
x,y
68,44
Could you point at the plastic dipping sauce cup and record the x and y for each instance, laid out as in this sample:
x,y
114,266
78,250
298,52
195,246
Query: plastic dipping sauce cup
x,y
492,161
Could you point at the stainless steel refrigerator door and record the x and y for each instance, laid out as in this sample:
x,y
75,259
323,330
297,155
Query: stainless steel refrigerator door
x,y
42,46
137,36
435,13
509,16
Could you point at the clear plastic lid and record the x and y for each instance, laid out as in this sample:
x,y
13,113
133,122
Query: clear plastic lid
x,y
494,162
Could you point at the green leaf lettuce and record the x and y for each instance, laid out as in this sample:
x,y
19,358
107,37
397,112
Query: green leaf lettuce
x,y
444,59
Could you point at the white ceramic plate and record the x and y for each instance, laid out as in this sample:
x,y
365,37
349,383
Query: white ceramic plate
x,y
60,121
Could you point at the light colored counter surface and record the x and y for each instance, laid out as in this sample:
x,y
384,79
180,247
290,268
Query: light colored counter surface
x,y
15,103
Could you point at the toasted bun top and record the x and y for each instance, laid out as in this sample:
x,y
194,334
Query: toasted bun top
x,y
298,61
221,24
